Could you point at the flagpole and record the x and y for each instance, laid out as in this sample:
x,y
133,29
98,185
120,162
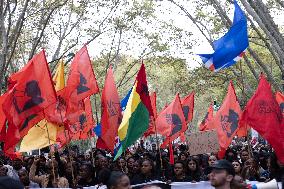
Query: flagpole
x,y
158,145
52,163
244,99
72,170
70,157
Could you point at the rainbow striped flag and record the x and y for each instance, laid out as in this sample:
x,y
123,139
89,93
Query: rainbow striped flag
x,y
136,116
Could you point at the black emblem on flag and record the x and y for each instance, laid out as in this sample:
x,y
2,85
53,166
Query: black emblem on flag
x,y
230,123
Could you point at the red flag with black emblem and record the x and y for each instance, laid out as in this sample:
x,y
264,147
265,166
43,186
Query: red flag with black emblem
x,y
208,117
31,90
227,118
170,122
81,81
263,114
280,100
90,123
111,111
188,107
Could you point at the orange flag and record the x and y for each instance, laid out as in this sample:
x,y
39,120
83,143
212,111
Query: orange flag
x,y
171,121
81,81
208,117
280,100
111,111
227,119
30,91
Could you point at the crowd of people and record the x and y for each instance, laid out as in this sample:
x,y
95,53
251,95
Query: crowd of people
x,y
96,168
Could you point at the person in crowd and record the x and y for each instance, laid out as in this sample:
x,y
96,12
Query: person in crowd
x,y
238,183
7,182
25,180
179,173
86,175
211,161
222,174
193,170
244,155
51,179
17,165
147,173
237,166
230,155
129,164
121,163
3,170
276,171
183,157
253,172
118,180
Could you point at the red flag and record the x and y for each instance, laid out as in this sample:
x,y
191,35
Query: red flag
x,y
81,81
171,121
280,99
208,117
31,91
111,111
263,114
11,139
2,117
188,107
227,118
151,129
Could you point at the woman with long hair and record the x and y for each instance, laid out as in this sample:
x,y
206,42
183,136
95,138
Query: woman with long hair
x,y
193,170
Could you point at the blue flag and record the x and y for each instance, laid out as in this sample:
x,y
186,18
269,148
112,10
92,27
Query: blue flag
x,y
229,48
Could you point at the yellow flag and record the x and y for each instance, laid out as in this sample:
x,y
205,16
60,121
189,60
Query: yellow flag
x,y
44,133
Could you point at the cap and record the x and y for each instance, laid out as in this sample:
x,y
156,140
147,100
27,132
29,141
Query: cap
x,y
7,182
224,164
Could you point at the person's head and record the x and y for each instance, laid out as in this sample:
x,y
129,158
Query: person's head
x,y
103,162
69,171
24,177
230,155
3,171
222,173
118,180
179,168
86,171
182,156
244,155
130,163
121,163
154,147
147,167
238,183
212,160
17,164
103,176
192,164
237,166
136,167
8,182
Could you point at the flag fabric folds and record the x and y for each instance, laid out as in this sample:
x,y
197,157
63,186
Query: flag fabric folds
x,y
111,111
171,122
151,129
229,48
263,114
44,133
135,119
208,117
81,81
30,91
226,120
188,107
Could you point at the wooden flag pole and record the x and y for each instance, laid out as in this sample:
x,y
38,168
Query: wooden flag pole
x,y
70,157
52,163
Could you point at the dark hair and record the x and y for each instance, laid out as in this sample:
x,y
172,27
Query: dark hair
x,y
114,177
195,175
103,176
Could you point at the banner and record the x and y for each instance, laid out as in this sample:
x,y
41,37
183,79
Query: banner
x,y
203,142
